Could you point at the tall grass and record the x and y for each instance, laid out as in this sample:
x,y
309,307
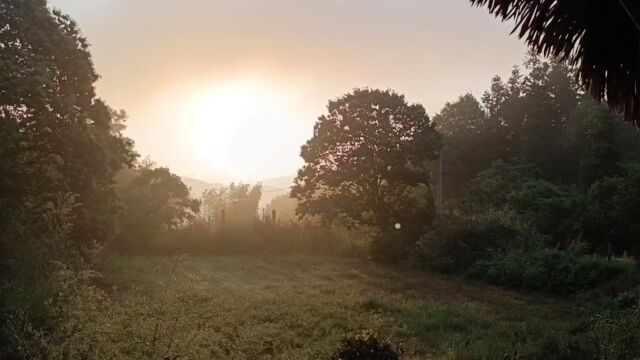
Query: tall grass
x,y
257,237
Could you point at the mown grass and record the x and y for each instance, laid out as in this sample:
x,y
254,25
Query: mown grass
x,y
300,307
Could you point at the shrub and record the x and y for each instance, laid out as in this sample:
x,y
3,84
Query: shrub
x,y
366,346
613,209
552,210
391,246
87,323
456,242
541,268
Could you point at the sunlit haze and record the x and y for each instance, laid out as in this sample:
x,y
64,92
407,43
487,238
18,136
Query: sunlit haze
x,y
229,90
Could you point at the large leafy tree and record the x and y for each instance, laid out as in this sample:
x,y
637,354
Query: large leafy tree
x,y
155,200
60,146
368,161
57,135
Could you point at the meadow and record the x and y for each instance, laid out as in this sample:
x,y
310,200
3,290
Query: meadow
x,y
301,307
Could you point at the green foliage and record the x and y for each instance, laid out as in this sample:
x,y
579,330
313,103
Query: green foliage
x,y
86,322
620,293
154,201
457,241
492,188
57,135
612,219
301,307
368,161
540,148
36,236
552,210
366,346
467,150
541,268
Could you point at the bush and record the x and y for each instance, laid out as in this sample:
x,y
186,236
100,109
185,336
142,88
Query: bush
x,y
541,268
605,336
366,346
456,242
34,239
86,322
391,247
553,210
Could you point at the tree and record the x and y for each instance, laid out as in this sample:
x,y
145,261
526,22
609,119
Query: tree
x,y
464,127
599,37
368,161
154,201
600,142
549,97
57,135
493,187
60,146
238,202
551,209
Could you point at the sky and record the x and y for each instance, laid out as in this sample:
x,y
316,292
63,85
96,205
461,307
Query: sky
x,y
228,90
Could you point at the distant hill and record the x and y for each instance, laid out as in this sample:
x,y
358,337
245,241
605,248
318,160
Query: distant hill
x,y
275,187
198,186
279,182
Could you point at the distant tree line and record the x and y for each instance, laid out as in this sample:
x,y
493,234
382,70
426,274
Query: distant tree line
x,y
234,204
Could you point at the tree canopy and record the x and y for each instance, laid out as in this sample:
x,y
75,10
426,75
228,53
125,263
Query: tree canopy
x,y
154,200
57,135
599,37
368,160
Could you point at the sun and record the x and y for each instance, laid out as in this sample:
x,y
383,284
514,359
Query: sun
x,y
233,125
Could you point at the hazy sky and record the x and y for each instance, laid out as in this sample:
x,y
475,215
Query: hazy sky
x,y
229,89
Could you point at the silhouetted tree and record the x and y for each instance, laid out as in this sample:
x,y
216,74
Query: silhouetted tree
x,y
600,38
154,201
368,160
57,135
463,125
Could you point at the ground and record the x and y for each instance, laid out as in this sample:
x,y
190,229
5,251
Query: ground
x,y
300,307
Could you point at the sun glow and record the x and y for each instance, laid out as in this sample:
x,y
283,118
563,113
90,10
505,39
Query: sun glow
x,y
235,127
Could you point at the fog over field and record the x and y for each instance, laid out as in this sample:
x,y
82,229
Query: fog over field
x,y
331,180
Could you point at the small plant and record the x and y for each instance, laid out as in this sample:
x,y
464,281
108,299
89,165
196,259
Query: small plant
x,y
366,346
616,335
541,268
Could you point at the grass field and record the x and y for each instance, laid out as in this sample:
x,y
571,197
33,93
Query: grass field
x,y
300,307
